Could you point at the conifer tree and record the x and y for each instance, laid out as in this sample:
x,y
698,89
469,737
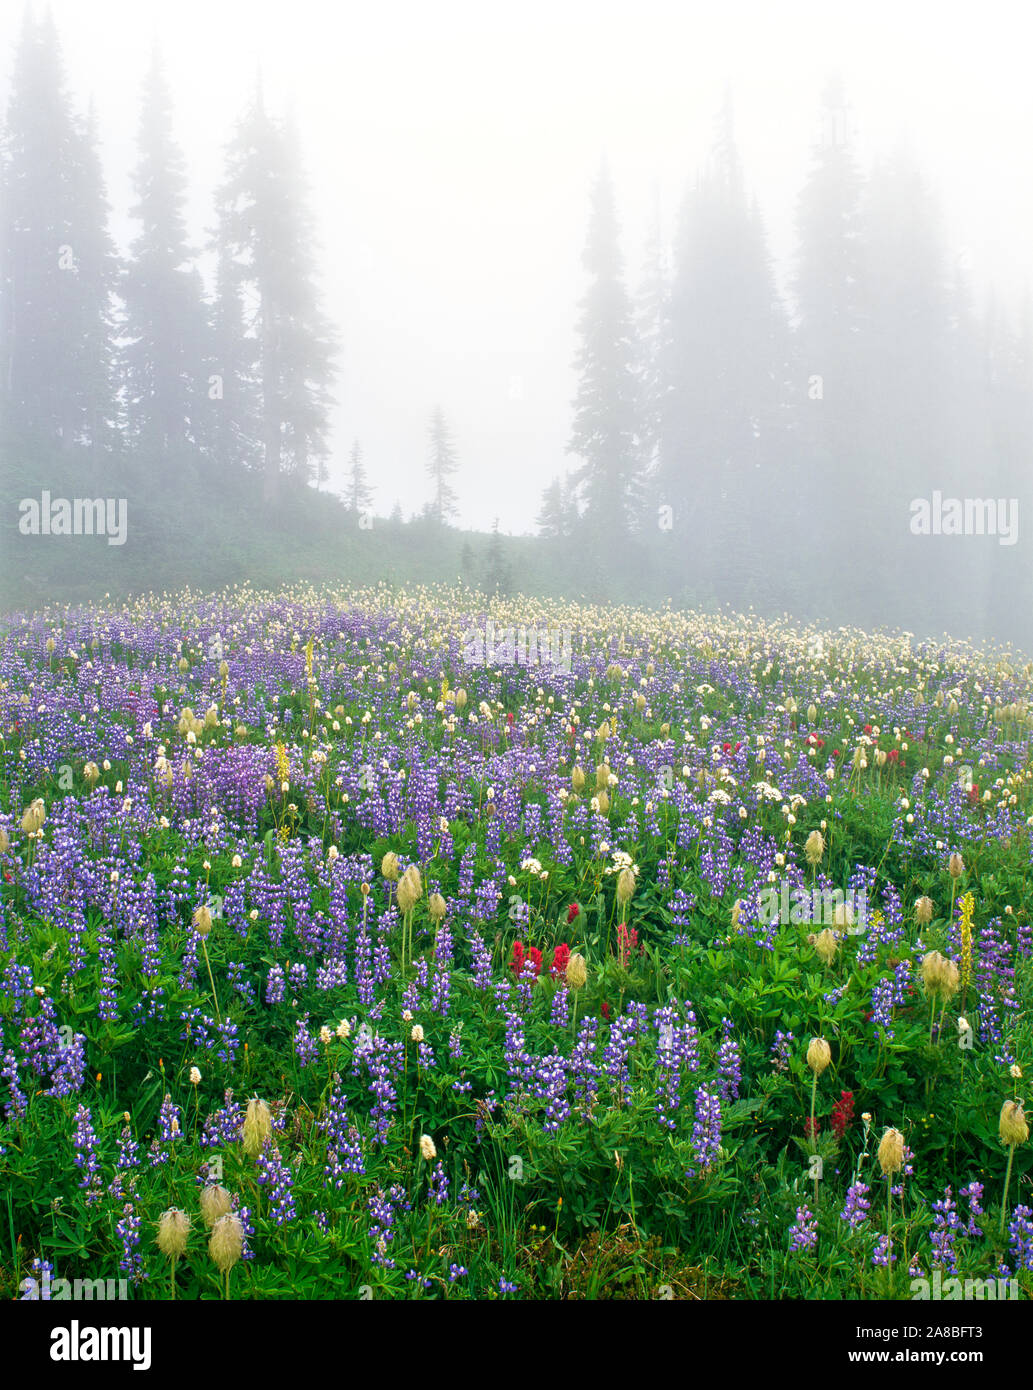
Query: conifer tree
x,y
358,493
498,575
606,427
167,351
441,466
58,266
265,238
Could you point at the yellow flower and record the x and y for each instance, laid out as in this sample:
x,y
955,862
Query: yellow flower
x,y
968,907
1013,1126
819,1055
891,1152
814,847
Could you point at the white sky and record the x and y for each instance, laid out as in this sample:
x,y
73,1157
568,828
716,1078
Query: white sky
x,y
450,145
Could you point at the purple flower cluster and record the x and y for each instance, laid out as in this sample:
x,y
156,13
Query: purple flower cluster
x,y
803,1233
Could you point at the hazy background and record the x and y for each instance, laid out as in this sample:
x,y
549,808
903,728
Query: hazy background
x,y
450,148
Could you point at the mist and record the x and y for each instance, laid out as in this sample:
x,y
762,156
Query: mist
x,y
447,161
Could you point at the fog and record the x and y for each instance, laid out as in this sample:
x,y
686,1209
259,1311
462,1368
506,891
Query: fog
x,y
450,153
450,150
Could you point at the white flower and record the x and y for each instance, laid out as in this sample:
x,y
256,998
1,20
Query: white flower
x,y
427,1149
344,1030
195,1076
417,1033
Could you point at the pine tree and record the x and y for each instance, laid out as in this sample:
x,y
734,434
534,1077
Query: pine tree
x,y
359,496
653,342
232,431
906,392
265,235
605,418
550,519
828,286
58,268
722,443
498,575
441,466
92,388
558,515
166,350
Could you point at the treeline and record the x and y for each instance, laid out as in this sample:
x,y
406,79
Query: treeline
x,y
127,364
735,445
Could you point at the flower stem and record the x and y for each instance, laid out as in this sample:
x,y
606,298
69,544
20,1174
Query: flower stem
x,y
889,1227
1007,1184
211,981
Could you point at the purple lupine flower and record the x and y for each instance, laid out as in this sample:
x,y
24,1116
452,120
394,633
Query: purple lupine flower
x,y
381,1059
276,1177
223,1126
803,1233
855,1210
729,1063
169,1131
559,1014
306,1048
85,1144
70,1072
343,1144
973,1194
382,1208
906,1171
1020,1237
670,1052
706,1132
550,1086
37,1285
782,1049
438,1187
880,1256
128,1232
15,1107
946,1225
128,1157
249,1230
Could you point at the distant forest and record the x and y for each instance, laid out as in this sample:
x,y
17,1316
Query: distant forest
x,y
730,445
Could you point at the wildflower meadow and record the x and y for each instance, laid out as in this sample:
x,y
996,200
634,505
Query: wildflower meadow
x,y
337,965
